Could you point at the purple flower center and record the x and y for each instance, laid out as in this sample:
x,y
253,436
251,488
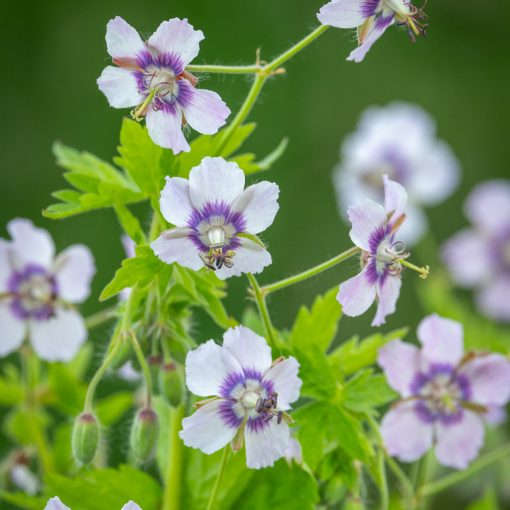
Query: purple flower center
x,y
34,292
440,394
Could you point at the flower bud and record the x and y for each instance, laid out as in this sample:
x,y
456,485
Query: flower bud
x,y
154,362
144,435
85,438
171,383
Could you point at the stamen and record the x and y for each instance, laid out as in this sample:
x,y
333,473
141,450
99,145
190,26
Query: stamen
x,y
423,271
140,111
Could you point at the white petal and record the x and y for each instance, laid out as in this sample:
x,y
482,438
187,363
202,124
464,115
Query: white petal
x,y
24,479
208,367
128,245
488,205
165,129
286,382
342,14
174,245
264,447
215,180
74,269
131,505
414,227
58,338
259,205
377,29
178,37
30,244
12,330
120,87
356,295
6,268
122,40
388,294
248,348
366,218
395,198
206,429
250,257
204,110
55,504
175,201
493,300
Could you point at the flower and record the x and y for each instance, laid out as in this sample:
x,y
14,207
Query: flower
x,y
251,395
129,249
479,257
216,220
152,76
445,394
37,291
371,18
374,229
56,504
398,140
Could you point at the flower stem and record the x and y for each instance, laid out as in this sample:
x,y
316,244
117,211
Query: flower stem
x,y
96,319
263,310
223,69
405,483
144,365
292,280
219,477
458,476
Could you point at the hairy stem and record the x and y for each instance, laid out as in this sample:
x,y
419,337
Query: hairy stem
x,y
263,310
144,365
98,318
219,477
223,69
405,484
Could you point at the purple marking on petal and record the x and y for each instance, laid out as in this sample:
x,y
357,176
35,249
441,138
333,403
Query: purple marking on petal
x,y
381,22
258,424
377,236
162,60
228,415
369,7
229,383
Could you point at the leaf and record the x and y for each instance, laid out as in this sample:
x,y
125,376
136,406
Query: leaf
x,y
130,223
111,408
250,166
22,500
68,392
11,392
488,501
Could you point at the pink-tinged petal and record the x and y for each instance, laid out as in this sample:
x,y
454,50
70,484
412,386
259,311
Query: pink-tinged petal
x,y
493,300
356,295
387,294
5,264
58,338
400,362
286,383
259,205
131,505
165,129
404,434
12,330
120,87
30,244
74,269
376,30
207,368
442,339
178,37
343,13
206,429
174,245
128,245
250,257
366,218
458,444
468,258
294,451
248,348
414,227
55,504
215,180
265,445
495,416
128,372
175,201
395,199
122,40
488,205
204,110
489,379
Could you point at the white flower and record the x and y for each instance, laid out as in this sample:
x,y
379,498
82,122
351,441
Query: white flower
x,y
216,220
251,394
22,477
56,504
37,292
398,140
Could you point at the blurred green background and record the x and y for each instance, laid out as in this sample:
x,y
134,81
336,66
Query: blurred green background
x,y
52,53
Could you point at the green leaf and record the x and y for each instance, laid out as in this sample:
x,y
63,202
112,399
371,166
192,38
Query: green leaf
x,y
68,391
111,408
130,223
11,392
250,166
22,500
488,501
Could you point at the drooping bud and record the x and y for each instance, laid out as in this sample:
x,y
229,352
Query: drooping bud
x,y
144,435
154,362
171,383
85,438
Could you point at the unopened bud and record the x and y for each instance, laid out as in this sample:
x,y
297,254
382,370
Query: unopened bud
x,y
171,383
85,438
154,362
144,435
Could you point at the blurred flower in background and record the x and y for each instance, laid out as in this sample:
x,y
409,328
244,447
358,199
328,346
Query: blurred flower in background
x,y
398,140
479,257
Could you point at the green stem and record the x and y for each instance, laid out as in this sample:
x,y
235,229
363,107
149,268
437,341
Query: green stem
x,y
458,476
405,483
144,365
98,318
219,477
263,310
223,69
172,491
383,481
309,273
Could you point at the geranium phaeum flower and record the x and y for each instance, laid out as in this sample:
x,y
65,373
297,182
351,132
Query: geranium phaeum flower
x,y
152,77
251,394
37,292
446,395
371,18
216,220
56,504
479,257
374,230
398,140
